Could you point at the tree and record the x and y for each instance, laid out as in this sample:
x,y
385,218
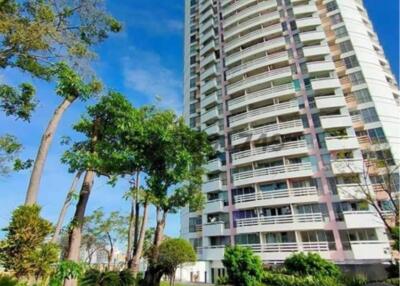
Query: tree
x,y
243,267
174,174
9,150
173,253
70,87
310,264
101,152
18,103
24,250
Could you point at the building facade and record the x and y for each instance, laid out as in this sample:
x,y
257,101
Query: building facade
x,y
298,101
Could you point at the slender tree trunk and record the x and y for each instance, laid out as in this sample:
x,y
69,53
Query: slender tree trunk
x,y
137,209
75,235
111,252
47,138
139,249
65,207
131,233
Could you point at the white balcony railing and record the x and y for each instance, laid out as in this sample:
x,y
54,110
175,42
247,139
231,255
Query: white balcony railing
x,y
285,193
280,219
272,171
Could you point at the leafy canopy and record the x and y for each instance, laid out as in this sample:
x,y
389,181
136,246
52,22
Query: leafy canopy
x,y
243,267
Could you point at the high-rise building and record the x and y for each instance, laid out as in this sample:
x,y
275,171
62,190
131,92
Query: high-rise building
x,y
299,103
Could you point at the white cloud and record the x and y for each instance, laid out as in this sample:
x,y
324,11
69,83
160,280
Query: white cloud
x,y
145,72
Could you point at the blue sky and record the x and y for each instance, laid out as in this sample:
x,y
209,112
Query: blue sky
x,y
144,61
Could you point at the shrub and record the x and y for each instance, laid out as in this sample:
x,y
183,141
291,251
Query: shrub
x,y
277,279
222,280
243,267
393,281
356,280
107,278
66,269
310,264
8,281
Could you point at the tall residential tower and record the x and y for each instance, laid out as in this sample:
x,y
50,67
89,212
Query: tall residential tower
x,y
298,100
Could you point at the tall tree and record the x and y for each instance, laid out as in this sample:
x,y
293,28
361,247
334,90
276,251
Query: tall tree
x,y
101,152
70,87
174,175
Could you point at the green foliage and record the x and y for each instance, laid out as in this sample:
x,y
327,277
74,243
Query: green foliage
x,y
243,267
94,277
354,280
222,280
9,150
278,279
24,251
393,281
174,252
310,264
67,269
8,281
395,236
18,103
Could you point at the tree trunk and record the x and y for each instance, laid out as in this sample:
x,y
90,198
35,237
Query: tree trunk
x,y
75,235
111,252
131,233
47,138
137,254
65,207
137,209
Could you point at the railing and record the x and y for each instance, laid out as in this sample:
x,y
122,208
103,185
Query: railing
x,y
272,171
280,219
259,93
356,118
251,34
270,148
264,110
262,5
264,75
285,193
267,128
256,62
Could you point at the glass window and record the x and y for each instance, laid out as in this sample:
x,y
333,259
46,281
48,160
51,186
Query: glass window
x,y
362,96
330,6
369,115
336,19
376,135
341,32
351,62
356,78
346,46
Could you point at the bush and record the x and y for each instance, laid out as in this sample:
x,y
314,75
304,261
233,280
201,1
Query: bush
x,y
243,267
393,281
66,269
222,280
8,281
310,264
107,278
357,280
276,279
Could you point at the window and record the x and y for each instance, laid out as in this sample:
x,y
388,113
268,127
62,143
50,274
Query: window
x,y
346,46
341,32
362,96
192,122
351,62
356,78
376,135
369,115
194,223
331,6
192,82
193,108
248,238
192,60
336,19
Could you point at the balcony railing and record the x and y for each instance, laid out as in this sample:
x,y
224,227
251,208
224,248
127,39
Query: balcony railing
x,y
272,171
277,194
264,110
280,219
267,128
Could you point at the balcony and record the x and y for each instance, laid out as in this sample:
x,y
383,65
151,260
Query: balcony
x,y
212,129
264,112
210,46
209,86
259,79
330,101
256,64
277,197
316,51
208,24
205,37
272,174
213,166
211,71
362,219
341,143
210,99
352,191
210,115
267,131
308,22
280,223
321,66
214,228
263,32
347,166
269,152
206,15
215,252
213,185
335,121
268,93
208,60
325,83
373,249
252,50
247,12
304,9
214,206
